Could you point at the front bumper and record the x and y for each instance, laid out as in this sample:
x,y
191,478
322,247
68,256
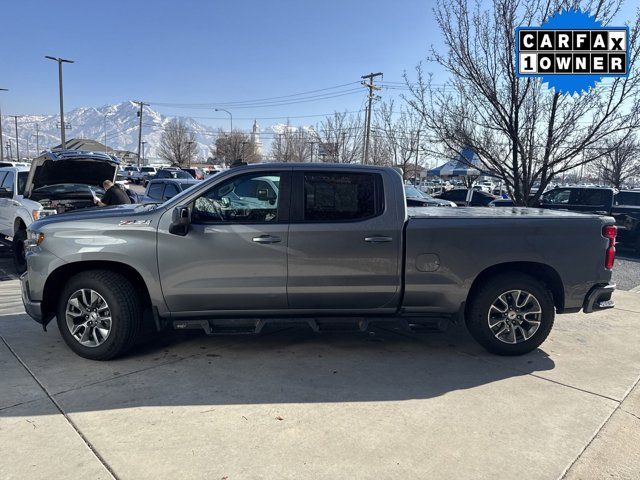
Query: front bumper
x,y
599,298
33,309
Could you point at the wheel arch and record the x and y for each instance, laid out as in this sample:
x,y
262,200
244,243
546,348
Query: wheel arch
x,y
18,224
62,274
539,271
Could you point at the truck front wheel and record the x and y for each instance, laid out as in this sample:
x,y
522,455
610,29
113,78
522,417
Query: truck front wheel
x,y
511,314
19,260
99,314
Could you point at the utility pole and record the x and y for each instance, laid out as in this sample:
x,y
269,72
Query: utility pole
x,y
230,117
312,145
1,141
37,139
9,149
62,129
105,134
141,105
143,149
15,118
367,126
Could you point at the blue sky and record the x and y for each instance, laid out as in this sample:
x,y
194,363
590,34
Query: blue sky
x,y
208,51
199,51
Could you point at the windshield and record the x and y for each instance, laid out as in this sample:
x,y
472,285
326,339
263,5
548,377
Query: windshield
x,y
411,191
147,169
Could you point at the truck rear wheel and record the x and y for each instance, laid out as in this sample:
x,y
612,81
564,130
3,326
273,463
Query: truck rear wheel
x,y
99,314
511,314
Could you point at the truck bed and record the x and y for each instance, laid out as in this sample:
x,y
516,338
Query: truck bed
x,y
448,248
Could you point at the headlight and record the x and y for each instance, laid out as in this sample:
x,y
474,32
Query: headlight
x,y
40,214
33,239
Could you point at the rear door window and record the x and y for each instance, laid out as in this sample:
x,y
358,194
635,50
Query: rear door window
x,y
592,197
335,196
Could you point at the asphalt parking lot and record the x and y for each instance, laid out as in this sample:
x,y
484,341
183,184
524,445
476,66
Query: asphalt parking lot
x,y
293,404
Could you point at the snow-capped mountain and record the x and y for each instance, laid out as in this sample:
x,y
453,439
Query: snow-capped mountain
x,y
120,120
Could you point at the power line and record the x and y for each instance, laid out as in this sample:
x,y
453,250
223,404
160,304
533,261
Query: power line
x,y
258,100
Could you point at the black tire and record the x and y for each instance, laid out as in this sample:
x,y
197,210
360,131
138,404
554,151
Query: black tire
x,y
477,313
125,311
19,260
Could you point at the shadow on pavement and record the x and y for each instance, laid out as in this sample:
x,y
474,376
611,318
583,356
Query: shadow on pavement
x,y
291,365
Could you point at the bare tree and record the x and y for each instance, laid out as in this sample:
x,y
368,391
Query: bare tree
x,y
401,132
293,144
235,147
621,162
522,131
340,138
177,144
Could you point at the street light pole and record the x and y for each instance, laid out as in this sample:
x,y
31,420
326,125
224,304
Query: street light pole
x,y
60,62
230,117
1,141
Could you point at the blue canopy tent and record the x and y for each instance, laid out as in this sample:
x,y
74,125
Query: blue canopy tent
x,y
466,164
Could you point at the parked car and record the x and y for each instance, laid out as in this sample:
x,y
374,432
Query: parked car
x,y
146,174
130,172
172,173
318,243
195,173
417,198
502,202
623,206
459,196
160,190
57,182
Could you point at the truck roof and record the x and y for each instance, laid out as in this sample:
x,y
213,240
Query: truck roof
x,y
310,166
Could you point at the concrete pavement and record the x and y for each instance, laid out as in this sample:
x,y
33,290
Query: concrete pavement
x,y
292,404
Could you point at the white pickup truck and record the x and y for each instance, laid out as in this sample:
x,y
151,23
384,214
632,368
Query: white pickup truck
x,y
57,182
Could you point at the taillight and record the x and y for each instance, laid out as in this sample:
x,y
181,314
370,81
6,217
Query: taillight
x,y
609,232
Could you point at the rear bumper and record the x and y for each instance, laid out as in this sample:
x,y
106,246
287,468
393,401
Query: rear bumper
x,y
599,298
33,309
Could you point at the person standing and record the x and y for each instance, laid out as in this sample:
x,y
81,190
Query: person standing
x,y
113,195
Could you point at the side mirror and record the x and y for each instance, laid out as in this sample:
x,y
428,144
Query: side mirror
x,y
180,221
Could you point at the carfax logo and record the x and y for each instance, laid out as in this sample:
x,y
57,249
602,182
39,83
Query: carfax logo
x,y
572,51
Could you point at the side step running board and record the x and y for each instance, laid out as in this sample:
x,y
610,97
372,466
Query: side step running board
x,y
318,325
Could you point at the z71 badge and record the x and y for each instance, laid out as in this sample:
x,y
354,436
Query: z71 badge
x,y
135,223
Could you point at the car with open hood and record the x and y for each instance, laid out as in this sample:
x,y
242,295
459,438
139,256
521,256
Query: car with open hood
x,y
58,181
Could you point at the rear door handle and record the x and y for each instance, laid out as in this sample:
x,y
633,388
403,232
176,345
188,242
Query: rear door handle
x,y
378,239
267,239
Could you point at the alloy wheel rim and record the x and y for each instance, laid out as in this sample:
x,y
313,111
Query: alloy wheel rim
x,y
515,316
88,317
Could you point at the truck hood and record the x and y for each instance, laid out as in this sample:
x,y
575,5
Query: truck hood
x,y
79,170
125,212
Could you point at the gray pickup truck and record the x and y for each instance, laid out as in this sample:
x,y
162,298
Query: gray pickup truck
x,y
313,243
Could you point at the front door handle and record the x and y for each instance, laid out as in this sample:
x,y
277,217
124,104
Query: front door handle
x,y
378,239
267,239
